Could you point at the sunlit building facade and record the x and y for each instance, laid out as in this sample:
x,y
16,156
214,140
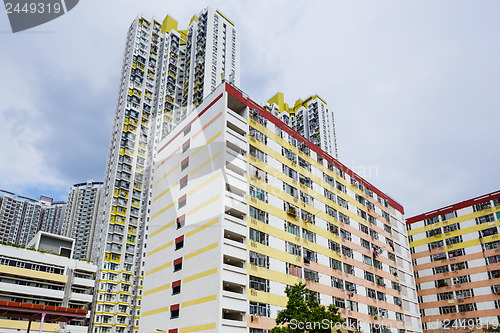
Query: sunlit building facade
x,y
243,205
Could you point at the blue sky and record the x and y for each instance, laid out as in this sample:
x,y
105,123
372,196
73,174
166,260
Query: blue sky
x,y
414,87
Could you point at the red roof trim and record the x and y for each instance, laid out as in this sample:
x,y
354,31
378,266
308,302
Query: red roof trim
x,y
448,209
269,116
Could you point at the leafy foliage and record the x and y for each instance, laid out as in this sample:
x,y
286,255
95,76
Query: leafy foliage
x,y
303,313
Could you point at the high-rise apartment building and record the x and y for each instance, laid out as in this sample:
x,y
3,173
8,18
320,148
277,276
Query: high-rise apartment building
x,y
166,73
22,217
81,215
242,206
311,118
456,258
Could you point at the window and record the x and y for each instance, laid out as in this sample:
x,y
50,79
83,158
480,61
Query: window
x,y
289,154
338,302
260,309
492,245
440,269
489,232
258,259
290,172
456,253
182,201
336,264
179,242
257,135
290,209
435,245
258,154
438,256
258,214
451,227
466,293
293,249
308,235
442,283
184,163
332,228
291,190
334,246
448,216
342,203
259,236
447,309
365,244
371,293
187,129
461,279
309,256
352,306
294,270
337,283
485,218
257,173
368,260
308,217
177,264
292,228
347,251
458,266
363,228
311,275
258,283
174,311
176,287
431,220
183,182
343,218
345,234
258,193
445,296
349,269
329,195
186,145
467,307
181,221
434,232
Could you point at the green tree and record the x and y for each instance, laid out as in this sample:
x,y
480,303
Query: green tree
x,y
303,313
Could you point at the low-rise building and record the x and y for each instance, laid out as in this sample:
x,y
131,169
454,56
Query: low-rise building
x,y
45,279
